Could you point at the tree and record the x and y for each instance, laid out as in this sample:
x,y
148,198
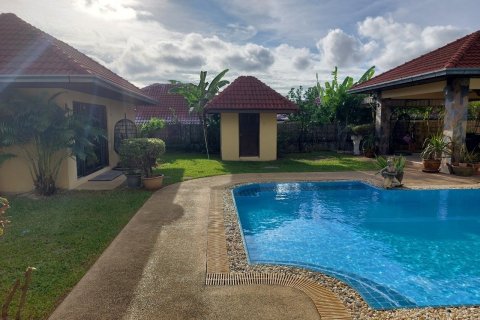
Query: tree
x,y
344,108
308,114
46,134
197,96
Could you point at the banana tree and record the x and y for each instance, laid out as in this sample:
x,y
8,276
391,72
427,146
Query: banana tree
x,y
344,108
197,96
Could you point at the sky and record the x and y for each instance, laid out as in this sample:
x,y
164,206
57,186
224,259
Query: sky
x,y
284,43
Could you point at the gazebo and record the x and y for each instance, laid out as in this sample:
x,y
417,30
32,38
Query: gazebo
x,y
248,119
449,76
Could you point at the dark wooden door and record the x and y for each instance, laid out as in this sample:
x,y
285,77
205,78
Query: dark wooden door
x,y
249,130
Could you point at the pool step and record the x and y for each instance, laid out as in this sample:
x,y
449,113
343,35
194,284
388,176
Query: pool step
x,y
327,304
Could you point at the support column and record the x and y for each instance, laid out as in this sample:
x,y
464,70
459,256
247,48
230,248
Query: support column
x,y
456,110
382,126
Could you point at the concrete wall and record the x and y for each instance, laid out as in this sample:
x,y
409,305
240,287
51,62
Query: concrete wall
x,y
14,173
229,136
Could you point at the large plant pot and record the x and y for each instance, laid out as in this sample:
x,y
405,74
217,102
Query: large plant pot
x,y
431,166
463,171
134,181
153,183
399,176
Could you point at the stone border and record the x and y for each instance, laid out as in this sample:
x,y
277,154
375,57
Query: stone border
x,y
350,298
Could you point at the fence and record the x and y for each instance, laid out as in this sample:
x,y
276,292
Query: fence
x,y
290,139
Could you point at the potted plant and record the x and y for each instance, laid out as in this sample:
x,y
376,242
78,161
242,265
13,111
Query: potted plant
x,y
129,159
141,154
398,161
433,150
465,164
368,146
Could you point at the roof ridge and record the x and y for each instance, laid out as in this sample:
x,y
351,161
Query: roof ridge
x,y
472,38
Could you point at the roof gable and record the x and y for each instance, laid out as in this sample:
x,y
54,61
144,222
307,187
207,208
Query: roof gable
x,y
28,51
463,53
247,93
171,107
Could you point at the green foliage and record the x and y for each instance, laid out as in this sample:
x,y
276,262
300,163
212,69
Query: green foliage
x,y
435,146
197,96
398,161
141,154
363,129
46,133
151,127
343,107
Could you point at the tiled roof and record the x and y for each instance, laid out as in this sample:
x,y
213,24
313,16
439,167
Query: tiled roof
x,y
463,53
28,51
248,93
171,107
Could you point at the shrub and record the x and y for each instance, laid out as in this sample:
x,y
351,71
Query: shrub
x,y
150,128
141,154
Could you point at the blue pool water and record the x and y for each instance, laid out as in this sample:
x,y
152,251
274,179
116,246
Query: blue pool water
x,y
397,248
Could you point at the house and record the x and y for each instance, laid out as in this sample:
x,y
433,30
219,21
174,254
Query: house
x,y
248,119
35,62
171,107
448,76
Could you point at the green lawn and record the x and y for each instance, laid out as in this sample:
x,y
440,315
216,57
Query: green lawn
x,y
61,236
183,166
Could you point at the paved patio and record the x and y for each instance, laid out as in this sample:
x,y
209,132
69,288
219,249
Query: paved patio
x,y
156,267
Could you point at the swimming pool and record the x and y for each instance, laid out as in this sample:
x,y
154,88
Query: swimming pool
x,y
397,248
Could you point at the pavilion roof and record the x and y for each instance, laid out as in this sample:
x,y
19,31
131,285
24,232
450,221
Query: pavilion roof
x,y
458,58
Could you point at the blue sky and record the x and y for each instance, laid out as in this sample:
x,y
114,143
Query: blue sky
x,y
282,42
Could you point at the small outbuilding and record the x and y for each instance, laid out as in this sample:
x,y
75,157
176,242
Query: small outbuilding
x,y
248,119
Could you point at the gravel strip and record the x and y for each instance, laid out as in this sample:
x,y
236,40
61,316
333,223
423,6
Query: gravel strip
x,y
351,299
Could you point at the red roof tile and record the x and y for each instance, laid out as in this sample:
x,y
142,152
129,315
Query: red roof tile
x,y
171,107
463,53
28,51
248,93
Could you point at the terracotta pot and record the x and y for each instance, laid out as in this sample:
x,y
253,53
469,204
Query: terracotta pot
x,y
399,176
431,166
153,183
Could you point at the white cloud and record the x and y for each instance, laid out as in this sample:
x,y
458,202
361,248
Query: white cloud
x,y
340,49
400,42
250,57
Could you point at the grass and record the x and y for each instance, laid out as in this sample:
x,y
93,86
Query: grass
x,y
183,166
61,236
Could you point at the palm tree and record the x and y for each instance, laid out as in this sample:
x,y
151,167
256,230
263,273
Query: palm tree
x,y
44,132
197,96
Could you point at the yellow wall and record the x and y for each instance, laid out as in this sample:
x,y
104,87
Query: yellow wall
x,y
229,136
14,173
268,136
230,144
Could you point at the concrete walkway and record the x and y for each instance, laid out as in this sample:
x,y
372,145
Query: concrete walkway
x,y
155,268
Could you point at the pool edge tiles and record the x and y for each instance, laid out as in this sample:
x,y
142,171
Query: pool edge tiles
x,y
383,298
